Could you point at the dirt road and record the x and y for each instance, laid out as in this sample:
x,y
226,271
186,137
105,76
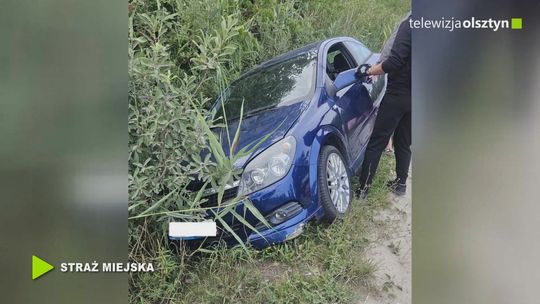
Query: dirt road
x,y
391,251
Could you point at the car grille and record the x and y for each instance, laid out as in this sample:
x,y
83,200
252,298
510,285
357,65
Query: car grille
x,y
212,199
210,196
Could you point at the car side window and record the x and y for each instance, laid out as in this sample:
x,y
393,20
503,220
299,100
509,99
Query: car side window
x,y
338,60
360,52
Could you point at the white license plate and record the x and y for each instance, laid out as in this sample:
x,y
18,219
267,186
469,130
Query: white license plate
x,y
192,229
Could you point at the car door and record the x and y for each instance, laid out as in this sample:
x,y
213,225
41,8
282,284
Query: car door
x,y
353,103
367,111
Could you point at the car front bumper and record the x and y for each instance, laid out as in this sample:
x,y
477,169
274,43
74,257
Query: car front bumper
x,y
280,233
293,188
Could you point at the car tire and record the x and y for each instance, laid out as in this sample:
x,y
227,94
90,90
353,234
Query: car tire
x,y
334,183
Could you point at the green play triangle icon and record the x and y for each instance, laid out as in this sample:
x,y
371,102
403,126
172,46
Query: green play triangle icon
x,y
40,267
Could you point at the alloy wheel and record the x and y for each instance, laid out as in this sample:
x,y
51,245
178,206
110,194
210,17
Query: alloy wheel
x,y
338,182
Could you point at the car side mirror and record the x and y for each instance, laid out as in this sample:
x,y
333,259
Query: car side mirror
x,y
351,76
345,79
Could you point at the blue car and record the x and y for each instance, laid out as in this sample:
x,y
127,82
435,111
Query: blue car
x,y
320,117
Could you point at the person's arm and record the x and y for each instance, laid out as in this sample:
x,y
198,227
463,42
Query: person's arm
x,y
400,54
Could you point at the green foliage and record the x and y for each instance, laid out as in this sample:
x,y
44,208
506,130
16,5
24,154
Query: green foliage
x,y
182,53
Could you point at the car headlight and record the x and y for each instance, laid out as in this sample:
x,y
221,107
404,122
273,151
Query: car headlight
x,y
268,167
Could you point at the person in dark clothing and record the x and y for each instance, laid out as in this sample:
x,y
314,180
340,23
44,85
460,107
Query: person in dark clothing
x,y
394,115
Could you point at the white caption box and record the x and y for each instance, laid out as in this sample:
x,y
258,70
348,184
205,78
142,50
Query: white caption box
x,y
192,229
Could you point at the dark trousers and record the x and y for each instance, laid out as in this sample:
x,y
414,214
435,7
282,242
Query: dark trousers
x,y
394,117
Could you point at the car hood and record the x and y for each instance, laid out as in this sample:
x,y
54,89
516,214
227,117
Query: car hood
x,y
274,122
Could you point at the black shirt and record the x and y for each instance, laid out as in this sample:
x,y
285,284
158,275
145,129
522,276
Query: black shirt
x,y
398,64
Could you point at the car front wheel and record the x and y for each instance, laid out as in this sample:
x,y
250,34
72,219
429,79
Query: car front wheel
x,y
334,183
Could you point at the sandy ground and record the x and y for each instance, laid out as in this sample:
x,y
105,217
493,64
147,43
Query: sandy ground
x,y
391,251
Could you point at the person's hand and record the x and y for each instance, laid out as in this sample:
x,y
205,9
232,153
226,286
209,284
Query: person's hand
x,y
375,70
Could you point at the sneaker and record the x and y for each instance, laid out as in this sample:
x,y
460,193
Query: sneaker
x,y
396,187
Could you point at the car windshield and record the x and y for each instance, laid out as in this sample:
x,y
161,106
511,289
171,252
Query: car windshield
x,y
281,84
